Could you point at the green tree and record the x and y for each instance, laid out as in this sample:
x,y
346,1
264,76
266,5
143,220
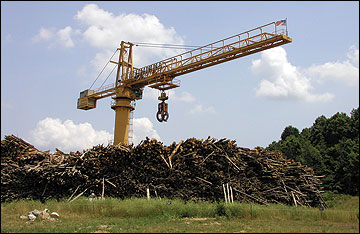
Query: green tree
x,y
343,160
330,146
317,131
337,128
311,156
354,123
291,147
289,131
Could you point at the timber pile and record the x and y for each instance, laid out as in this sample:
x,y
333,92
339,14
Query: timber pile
x,y
193,169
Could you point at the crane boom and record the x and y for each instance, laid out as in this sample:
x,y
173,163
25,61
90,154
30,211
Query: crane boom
x,y
237,46
160,75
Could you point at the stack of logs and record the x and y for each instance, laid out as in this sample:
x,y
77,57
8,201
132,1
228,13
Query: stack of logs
x,y
193,169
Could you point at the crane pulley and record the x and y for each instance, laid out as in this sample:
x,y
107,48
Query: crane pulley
x,y
130,81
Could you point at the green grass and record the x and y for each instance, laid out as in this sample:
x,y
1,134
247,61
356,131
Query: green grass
x,y
155,215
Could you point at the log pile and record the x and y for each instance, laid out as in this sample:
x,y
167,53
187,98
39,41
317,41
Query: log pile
x,y
193,169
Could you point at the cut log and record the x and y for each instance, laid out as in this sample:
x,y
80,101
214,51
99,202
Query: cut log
x,y
194,169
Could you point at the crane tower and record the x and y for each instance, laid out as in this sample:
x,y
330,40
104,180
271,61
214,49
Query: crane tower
x,y
130,81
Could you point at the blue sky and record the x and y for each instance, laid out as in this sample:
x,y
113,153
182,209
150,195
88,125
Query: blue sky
x,y
50,51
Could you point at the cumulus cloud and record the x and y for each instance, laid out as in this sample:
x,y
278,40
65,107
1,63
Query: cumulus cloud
x,y
353,55
195,108
346,72
62,37
143,128
105,30
67,136
150,93
44,34
99,61
198,109
51,133
282,80
184,96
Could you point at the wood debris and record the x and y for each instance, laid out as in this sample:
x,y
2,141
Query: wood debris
x,y
193,169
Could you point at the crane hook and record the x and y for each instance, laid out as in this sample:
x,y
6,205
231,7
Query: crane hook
x,y
162,114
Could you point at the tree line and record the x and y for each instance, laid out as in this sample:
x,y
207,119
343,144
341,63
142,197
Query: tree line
x,y
330,146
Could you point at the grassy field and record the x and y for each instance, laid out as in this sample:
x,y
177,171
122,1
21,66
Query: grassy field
x,y
155,215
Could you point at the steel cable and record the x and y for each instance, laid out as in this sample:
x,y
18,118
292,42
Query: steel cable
x,y
103,69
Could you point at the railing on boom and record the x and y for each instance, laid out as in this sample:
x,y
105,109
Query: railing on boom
x,y
223,50
209,51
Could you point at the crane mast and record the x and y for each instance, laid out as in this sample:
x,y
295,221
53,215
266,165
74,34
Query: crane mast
x,y
130,81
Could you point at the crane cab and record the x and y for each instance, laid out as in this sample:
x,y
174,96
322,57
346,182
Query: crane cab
x,y
85,102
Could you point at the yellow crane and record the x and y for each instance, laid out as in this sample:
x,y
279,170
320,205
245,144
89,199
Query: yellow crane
x,y
130,81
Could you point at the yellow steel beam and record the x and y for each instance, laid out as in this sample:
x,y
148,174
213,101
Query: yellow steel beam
x,y
122,108
246,43
161,75
221,51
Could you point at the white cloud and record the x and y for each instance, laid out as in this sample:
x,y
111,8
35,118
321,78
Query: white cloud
x,y
282,80
184,96
346,72
67,136
62,37
150,93
100,60
44,34
53,133
198,109
353,55
144,128
105,31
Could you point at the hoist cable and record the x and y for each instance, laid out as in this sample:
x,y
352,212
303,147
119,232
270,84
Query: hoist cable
x,y
148,44
161,44
103,69
171,46
108,76
166,47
